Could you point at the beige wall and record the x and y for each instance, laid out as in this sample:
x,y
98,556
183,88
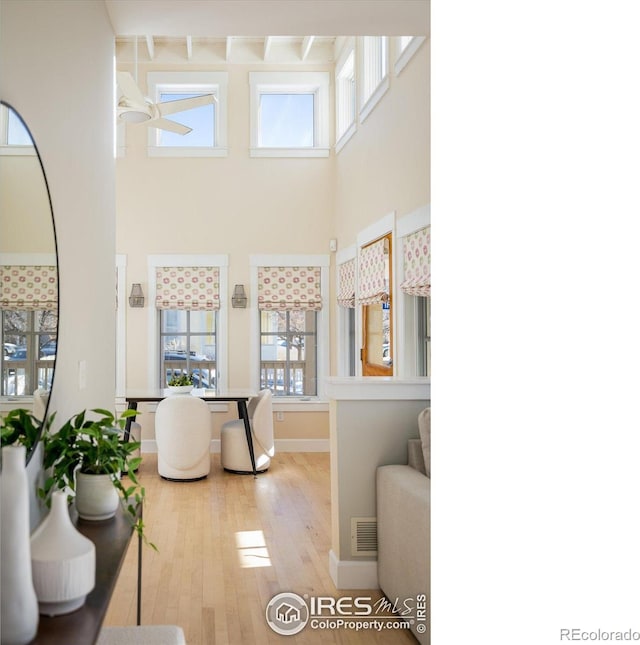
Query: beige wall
x,y
26,225
234,205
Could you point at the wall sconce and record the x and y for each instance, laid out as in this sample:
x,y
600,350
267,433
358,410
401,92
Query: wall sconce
x,y
136,299
239,297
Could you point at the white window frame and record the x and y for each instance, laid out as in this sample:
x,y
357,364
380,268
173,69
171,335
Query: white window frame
x,y
210,82
406,53
153,327
405,306
348,56
12,150
322,327
342,317
369,100
292,83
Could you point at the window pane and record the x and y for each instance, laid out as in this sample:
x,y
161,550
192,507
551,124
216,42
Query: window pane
x,y
286,121
200,119
175,347
288,352
273,321
28,357
174,321
17,134
188,341
202,322
47,321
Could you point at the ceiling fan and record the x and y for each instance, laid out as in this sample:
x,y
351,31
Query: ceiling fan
x,y
134,107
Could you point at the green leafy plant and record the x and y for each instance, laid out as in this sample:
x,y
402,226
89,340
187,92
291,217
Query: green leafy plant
x,y
20,427
95,446
181,380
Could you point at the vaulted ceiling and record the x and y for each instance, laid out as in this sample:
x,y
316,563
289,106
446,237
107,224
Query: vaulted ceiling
x,y
251,31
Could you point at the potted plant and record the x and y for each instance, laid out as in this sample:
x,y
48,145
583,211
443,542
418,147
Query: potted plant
x,y
20,427
181,383
87,456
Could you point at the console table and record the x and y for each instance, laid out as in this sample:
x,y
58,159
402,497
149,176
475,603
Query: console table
x,y
82,627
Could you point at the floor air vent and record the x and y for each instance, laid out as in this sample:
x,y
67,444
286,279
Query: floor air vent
x,y
364,536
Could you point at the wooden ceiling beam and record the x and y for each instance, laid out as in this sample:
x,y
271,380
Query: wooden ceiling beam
x,y
267,46
307,41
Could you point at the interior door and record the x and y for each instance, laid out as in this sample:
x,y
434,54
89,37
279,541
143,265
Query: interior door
x,y
377,322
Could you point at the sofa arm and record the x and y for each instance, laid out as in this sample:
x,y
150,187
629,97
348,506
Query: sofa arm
x,y
403,501
416,455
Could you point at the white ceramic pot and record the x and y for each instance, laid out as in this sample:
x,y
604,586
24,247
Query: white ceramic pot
x,y
96,496
63,561
19,615
180,389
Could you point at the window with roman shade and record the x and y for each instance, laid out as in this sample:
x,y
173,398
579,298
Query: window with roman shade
x,y
373,285
347,284
417,263
289,300
289,288
188,300
187,288
29,288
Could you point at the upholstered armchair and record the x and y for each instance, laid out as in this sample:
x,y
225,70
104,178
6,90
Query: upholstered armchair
x,y
233,439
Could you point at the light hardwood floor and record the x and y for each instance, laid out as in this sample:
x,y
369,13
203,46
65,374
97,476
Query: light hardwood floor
x,y
227,544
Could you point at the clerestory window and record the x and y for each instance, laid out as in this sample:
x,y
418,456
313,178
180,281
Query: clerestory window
x,y
345,97
289,114
208,123
374,76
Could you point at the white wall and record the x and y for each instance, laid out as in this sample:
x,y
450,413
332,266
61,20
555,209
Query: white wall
x,y
56,69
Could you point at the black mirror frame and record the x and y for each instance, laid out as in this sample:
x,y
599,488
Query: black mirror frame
x,y
8,106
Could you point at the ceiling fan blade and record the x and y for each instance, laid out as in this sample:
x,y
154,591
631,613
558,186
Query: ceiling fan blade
x,y
129,88
171,126
171,107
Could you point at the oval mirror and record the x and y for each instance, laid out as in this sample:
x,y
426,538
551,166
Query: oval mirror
x,y
28,274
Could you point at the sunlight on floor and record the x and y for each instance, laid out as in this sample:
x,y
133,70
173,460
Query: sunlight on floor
x,y
252,549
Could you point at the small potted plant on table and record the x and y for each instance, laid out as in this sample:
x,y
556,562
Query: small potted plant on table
x,y
180,384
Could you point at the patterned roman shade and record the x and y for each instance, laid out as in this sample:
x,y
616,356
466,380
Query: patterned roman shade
x,y
417,263
347,284
289,288
372,283
188,288
29,287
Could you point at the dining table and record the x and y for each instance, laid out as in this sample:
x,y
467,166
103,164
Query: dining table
x,y
241,397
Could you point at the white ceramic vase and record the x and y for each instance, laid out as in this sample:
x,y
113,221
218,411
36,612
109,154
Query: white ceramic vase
x,y
19,611
96,496
63,561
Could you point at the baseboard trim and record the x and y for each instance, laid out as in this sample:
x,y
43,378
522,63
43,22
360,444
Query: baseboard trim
x,y
352,574
282,445
302,445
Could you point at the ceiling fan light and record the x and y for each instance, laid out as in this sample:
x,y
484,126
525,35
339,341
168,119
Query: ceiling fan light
x,y
134,116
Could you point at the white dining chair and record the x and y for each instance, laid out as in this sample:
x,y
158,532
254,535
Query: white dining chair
x,y
234,451
183,437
